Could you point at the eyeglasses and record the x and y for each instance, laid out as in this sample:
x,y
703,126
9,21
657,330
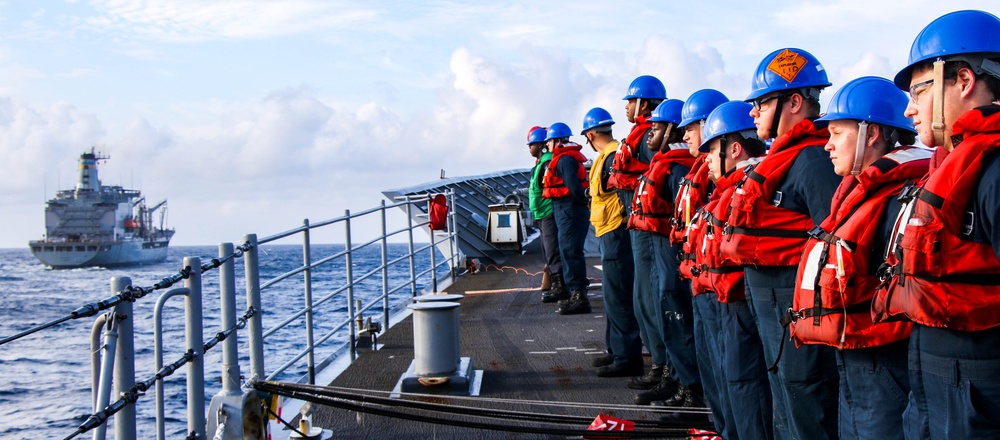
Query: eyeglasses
x,y
919,88
758,103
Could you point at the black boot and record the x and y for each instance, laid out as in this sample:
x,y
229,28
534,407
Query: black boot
x,y
558,290
648,380
578,303
690,402
664,390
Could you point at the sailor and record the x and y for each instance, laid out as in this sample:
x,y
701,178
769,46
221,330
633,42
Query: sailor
x,y
631,161
732,147
652,210
837,276
566,182
944,258
541,211
782,198
693,194
607,215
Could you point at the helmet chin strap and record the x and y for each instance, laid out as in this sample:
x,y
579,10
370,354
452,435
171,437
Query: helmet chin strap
x,y
937,112
859,152
635,114
779,102
722,156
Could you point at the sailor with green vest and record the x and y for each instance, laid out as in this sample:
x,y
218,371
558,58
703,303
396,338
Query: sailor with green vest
x,y
541,211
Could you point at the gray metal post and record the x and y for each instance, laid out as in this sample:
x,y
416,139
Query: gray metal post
x,y
255,326
435,335
158,356
225,412
95,356
349,264
307,274
103,391
385,272
227,294
453,260
193,336
124,360
434,272
413,263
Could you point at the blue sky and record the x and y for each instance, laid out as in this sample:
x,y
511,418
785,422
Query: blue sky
x,y
252,115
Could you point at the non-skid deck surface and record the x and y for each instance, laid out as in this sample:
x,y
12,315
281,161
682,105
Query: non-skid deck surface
x,y
526,352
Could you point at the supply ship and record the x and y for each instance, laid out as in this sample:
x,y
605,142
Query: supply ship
x,y
101,225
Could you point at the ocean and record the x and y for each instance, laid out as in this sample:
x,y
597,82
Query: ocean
x,y
45,391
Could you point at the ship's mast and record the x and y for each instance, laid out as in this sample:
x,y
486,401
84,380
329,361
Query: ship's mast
x,y
87,179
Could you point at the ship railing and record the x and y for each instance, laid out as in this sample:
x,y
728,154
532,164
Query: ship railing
x,y
113,360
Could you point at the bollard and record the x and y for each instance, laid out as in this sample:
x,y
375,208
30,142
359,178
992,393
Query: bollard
x,y
445,297
435,336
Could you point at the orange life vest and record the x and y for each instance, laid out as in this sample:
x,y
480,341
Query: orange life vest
x,y
691,267
692,195
758,232
725,275
552,183
651,212
626,166
934,276
834,287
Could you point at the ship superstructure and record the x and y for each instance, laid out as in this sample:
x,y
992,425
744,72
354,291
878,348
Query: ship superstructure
x,y
101,225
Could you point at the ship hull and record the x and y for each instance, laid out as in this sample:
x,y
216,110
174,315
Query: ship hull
x,y
67,255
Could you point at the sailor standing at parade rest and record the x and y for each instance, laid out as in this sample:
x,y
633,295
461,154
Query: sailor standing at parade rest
x,y
566,182
731,146
541,211
837,276
943,270
607,215
781,199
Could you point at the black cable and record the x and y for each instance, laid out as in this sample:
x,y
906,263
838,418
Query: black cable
x,y
366,401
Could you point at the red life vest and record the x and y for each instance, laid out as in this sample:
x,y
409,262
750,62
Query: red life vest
x,y
626,166
935,277
692,195
690,265
834,289
552,183
650,212
725,275
757,232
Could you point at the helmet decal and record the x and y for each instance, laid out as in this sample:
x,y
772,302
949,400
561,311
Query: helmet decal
x,y
788,64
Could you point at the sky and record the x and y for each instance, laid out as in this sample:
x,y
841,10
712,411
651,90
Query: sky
x,y
250,116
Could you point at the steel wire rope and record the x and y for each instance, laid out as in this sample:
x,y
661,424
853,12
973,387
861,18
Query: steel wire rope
x,y
138,390
544,403
362,407
130,293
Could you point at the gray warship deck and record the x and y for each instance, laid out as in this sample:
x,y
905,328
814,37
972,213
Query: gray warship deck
x,y
525,350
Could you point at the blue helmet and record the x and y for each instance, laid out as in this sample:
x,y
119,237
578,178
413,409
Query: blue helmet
x,y
536,134
646,87
596,117
558,130
787,69
700,104
730,117
668,111
870,99
974,34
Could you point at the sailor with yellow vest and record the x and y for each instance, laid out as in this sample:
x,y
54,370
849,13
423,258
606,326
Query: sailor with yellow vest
x,y
607,214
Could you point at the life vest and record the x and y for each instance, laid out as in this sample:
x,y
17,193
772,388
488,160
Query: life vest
x,y
693,194
540,207
626,166
606,210
834,287
552,183
691,267
650,211
758,232
724,274
934,276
